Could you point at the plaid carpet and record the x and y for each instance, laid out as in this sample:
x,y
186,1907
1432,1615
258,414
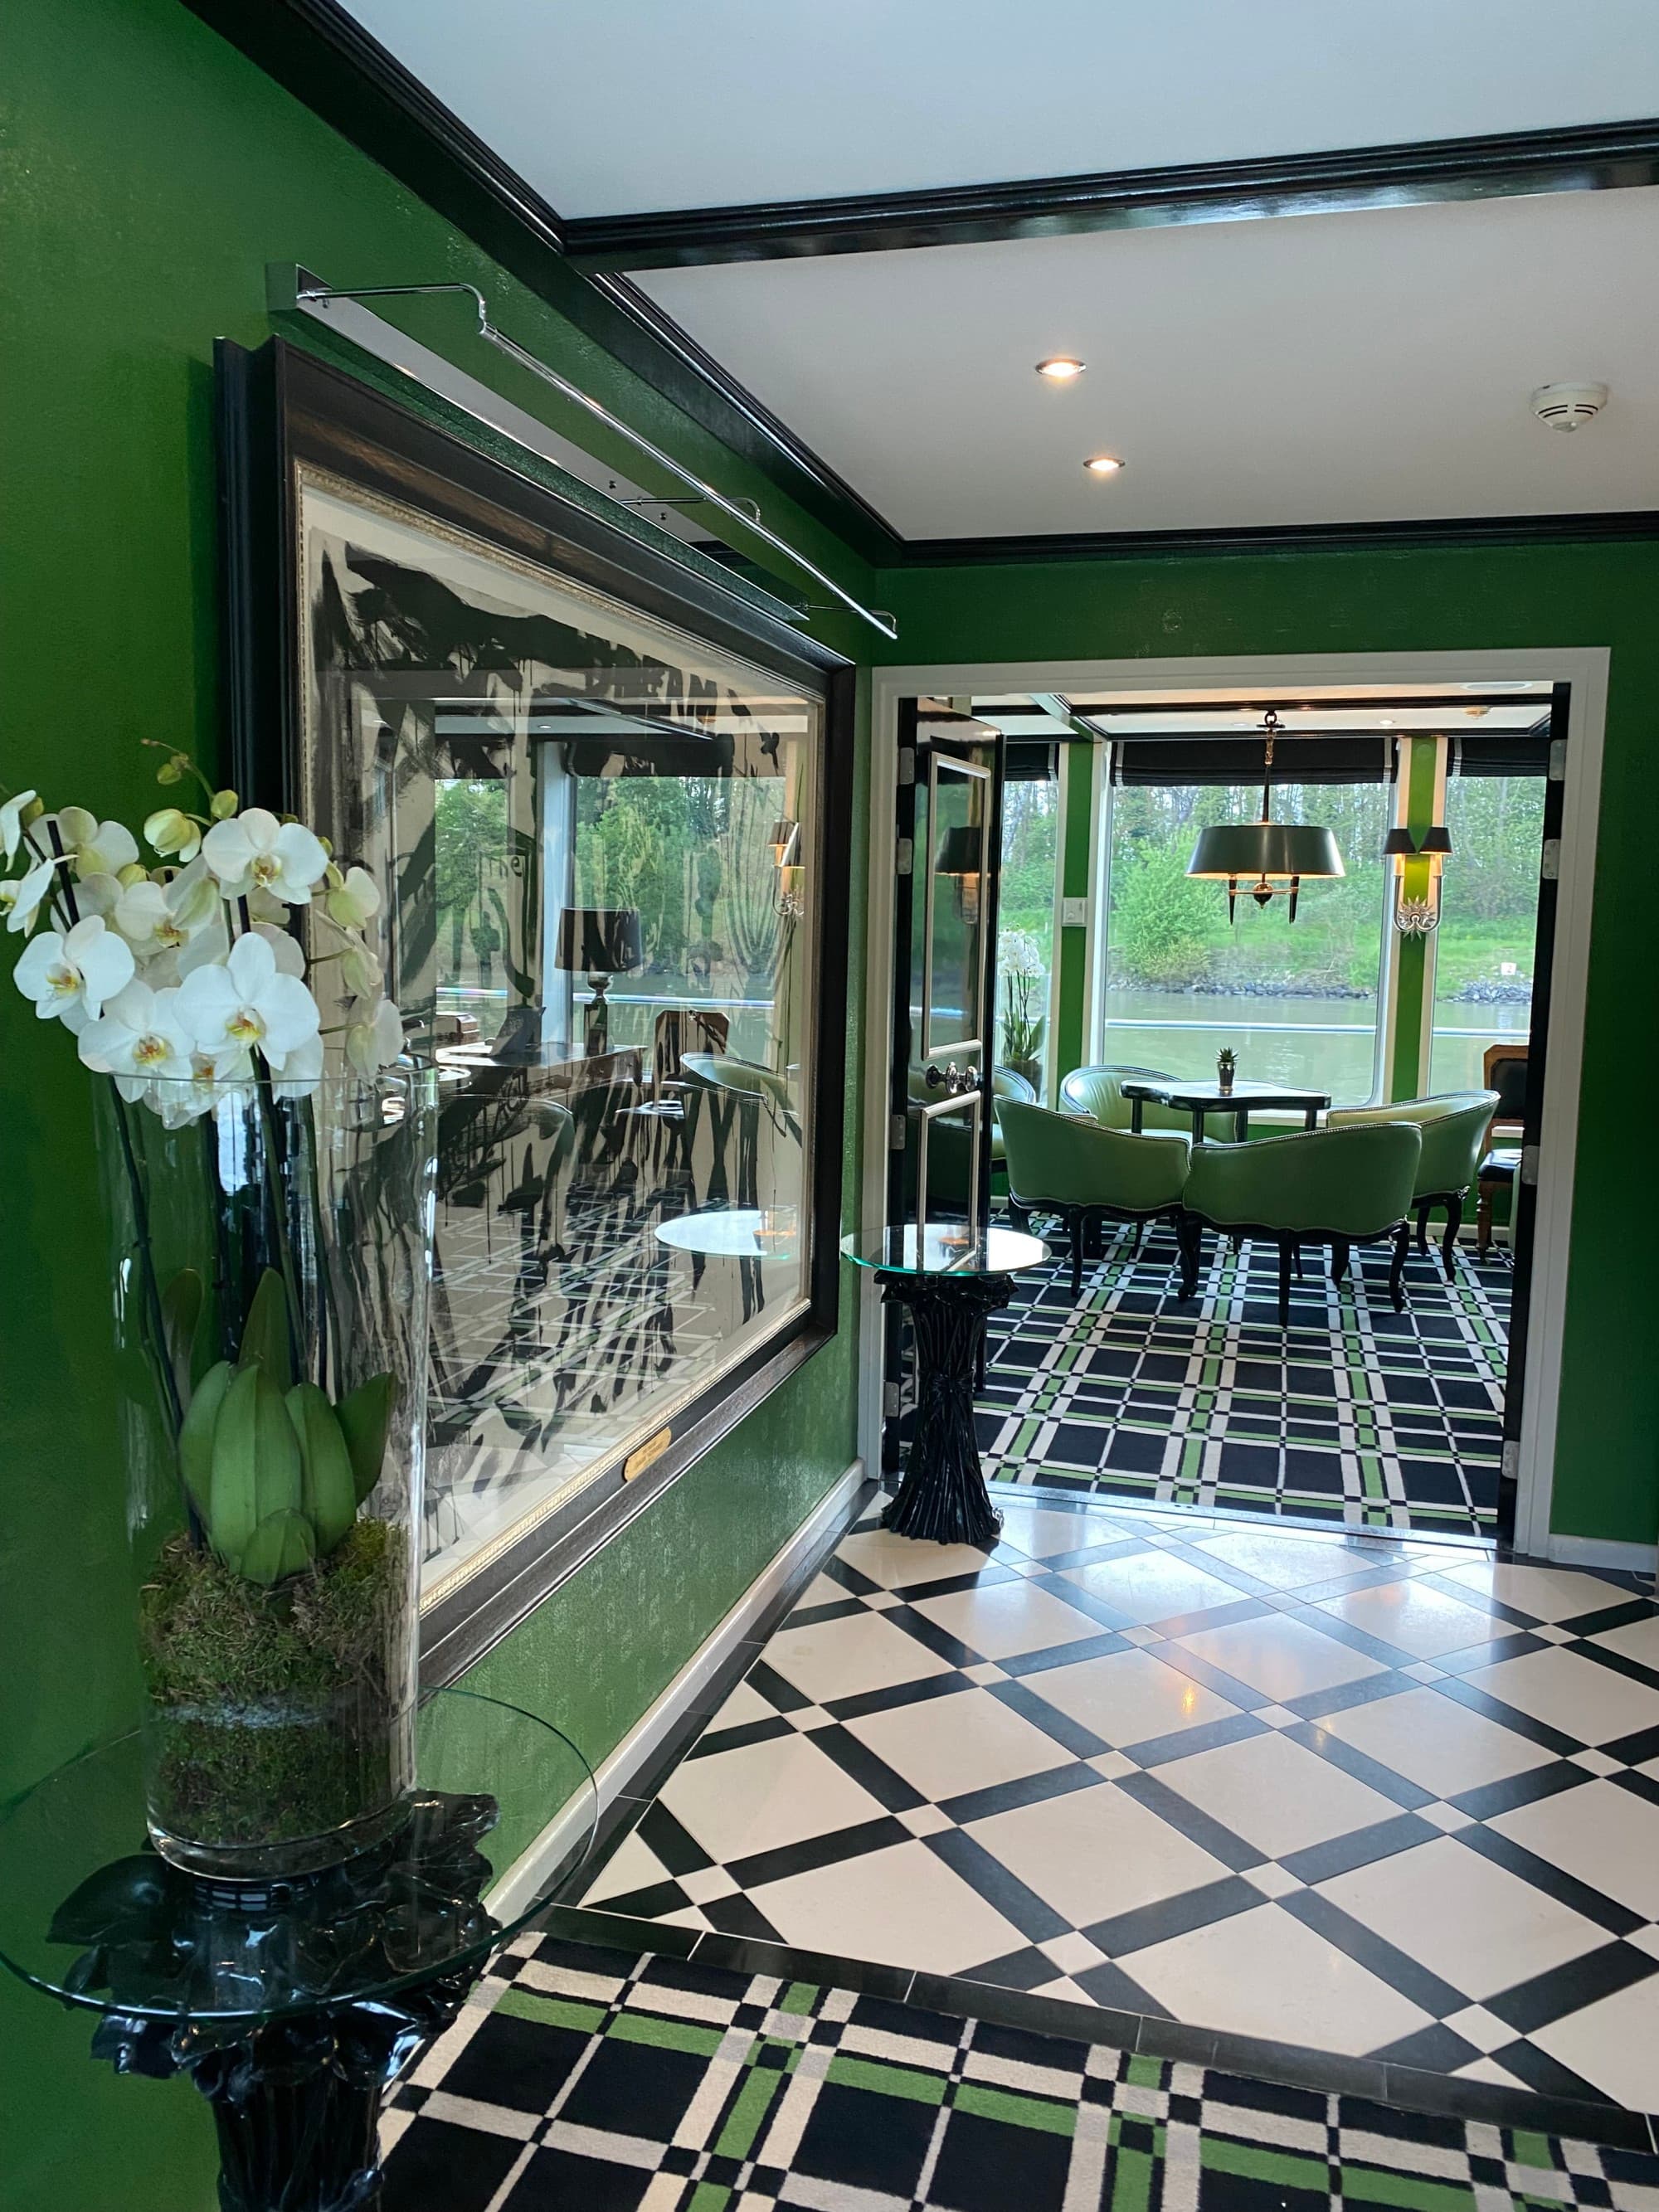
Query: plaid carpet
x,y
1355,1413
601,2082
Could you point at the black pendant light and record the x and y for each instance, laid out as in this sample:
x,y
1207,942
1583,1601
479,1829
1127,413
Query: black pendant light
x,y
1277,854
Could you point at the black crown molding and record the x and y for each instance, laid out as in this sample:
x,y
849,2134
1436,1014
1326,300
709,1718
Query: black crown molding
x,y
1477,530
1598,157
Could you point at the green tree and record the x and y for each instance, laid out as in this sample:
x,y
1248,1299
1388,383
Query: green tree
x,y
1161,918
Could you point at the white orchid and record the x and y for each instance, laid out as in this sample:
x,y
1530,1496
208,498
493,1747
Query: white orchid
x,y
72,976
256,851
302,1071
374,1036
352,899
290,954
24,896
137,1040
362,971
97,848
11,823
171,833
247,1003
146,920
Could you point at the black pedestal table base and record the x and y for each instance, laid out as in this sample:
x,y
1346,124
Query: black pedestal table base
x,y
943,1497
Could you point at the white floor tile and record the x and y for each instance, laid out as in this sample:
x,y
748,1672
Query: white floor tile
x,y
822,1591
845,1658
897,1562
1065,1988
1476,1925
1482,2028
1265,1973
901,1906
1435,1742
1151,1586
744,1706
1571,1693
1423,1622
1286,1562
1281,1658
764,1796
1072,1954
1604,1835
1547,1592
1638,1640
1276,1795
632,1865
1095,1853
1488,2070
1129,1697
944,1746
1045,1535
1008,1619
1614,2044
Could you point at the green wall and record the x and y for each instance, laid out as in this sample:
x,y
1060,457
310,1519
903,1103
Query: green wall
x,y
1434,600
149,174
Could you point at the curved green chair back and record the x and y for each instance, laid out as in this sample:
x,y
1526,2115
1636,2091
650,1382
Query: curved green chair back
x,y
738,1075
1062,1160
1009,1083
1353,1182
1098,1092
1454,1128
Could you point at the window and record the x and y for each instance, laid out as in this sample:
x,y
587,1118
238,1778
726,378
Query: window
x,y
1025,913
1483,973
1298,1002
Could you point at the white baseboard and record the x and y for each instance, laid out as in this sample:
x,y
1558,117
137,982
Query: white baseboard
x,y
1603,1552
529,1873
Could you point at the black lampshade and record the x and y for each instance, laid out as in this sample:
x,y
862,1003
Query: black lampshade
x,y
1437,840
786,837
961,852
600,940
1399,844
1247,851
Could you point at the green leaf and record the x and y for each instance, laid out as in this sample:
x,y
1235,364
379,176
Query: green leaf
x,y
329,1494
196,1437
181,1316
257,1469
264,1334
281,1544
365,1419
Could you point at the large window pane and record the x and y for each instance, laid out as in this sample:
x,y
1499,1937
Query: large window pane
x,y
1296,1001
1483,975
1025,922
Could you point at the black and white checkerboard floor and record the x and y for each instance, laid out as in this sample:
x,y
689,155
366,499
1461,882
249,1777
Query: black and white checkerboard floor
x,y
1355,1414
1378,1797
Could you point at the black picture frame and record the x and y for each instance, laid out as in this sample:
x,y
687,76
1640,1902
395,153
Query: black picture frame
x,y
279,407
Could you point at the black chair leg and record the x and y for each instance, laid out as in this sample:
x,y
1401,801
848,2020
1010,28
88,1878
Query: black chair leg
x,y
1339,1259
1397,1267
1018,1216
1141,1231
1454,1223
1074,1222
1423,1212
1295,1256
1285,1250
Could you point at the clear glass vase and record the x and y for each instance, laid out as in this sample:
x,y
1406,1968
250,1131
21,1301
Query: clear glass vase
x,y
272,1252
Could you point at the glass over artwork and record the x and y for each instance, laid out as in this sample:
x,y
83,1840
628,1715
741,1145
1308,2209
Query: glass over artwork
x,y
599,834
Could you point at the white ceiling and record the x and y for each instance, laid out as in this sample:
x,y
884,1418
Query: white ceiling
x,y
1315,368
615,107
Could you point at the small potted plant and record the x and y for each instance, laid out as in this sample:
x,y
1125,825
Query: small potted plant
x,y
1022,1019
1226,1064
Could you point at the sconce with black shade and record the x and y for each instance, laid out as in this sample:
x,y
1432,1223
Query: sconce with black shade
x,y
599,942
960,856
1417,915
785,841
1279,855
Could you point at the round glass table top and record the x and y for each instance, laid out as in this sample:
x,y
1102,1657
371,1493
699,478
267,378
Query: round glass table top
x,y
88,1911
944,1248
735,1232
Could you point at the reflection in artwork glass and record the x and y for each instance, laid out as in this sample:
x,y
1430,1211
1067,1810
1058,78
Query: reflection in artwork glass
x,y
601,835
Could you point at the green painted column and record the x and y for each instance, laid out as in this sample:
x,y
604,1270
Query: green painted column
x,y
1408,1074
1070,989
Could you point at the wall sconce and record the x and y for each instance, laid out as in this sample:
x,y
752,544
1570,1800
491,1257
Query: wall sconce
x,y
1418,914
959,857
785,841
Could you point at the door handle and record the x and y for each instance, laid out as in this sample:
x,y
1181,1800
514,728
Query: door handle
x,y
950,1078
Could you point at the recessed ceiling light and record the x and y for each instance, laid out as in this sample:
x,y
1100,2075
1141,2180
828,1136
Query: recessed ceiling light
x,y
1060,367
1102,465
1387,721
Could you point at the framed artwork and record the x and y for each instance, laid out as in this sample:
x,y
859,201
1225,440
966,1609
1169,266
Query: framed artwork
x,y
603,792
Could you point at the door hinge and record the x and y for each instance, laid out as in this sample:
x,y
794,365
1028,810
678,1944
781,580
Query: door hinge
x,y
890,1402
1529,1166
1558,759
895,1133
1550,867
906,766
905,851
1510,1462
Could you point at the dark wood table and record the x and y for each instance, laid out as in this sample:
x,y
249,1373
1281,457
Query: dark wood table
x,y
1201,1098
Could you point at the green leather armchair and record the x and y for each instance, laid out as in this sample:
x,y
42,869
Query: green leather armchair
x,y
1335,1187
1454,1128
1005,1082
1098,1093
1061,1164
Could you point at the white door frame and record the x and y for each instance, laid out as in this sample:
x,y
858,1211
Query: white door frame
x,y
1585,668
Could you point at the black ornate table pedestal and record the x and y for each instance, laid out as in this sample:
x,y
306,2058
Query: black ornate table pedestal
x,y
950,1282
293,2007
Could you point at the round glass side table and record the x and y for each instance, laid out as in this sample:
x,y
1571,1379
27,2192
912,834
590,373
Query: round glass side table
x,y
292,2006
949,1280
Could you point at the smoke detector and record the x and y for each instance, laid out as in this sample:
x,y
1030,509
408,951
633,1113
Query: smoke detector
x,y
1568,406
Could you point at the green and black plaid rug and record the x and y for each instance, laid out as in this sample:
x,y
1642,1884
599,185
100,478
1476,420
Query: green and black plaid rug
x,y
601,2082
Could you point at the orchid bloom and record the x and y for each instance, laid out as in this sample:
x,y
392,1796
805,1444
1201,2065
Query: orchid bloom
x,y
137,1040
302,1071
72,976
98,849
11,823
362,971
171,832
247,1002
290,954
374,1037
352,899
256,851
146,920
25,895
